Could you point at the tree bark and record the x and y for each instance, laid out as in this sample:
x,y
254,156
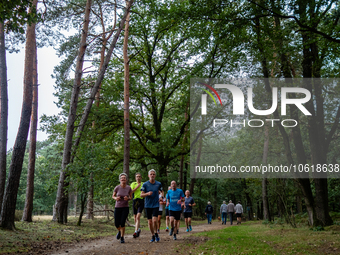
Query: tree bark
x,y
11,191
61,200
266,212
126,98
27,215
3,113
90,200
99,80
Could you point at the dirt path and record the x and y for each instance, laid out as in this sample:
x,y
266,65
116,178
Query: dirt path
x,y
140,245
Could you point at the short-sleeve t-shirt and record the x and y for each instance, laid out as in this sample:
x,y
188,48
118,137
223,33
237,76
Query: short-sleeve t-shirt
x,y
153,200
122,192
137,192
188,200
174,196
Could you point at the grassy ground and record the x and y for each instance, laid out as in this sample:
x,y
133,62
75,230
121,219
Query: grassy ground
x,y
258,238
42,232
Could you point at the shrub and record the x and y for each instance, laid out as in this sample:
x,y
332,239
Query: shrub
x,y
18,215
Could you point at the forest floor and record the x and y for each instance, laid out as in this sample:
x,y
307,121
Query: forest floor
x,y
141,245
43,236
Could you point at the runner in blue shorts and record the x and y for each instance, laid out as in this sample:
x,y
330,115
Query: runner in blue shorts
x,y
149,191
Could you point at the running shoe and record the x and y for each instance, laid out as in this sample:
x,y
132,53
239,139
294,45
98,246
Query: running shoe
x,y
118,235
175,238
135,235
167,229
187,229
171,231
122,240
157,238
190,228
152,239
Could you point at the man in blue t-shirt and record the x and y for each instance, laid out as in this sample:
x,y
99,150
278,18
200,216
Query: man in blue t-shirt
x,y
188,204
174,199
149,191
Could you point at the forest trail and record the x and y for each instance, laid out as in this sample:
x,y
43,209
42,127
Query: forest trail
x,y
141,245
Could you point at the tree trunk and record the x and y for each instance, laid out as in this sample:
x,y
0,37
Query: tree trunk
x,y
266,213
185,183
99,80
62,193
249,202
27,215
215,201
82,208
11,191
298,204
126,98
181,164
3,113
90,200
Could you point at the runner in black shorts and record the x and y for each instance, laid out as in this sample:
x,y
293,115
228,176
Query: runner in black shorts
x,y
174,199
138,203
150,191
188,204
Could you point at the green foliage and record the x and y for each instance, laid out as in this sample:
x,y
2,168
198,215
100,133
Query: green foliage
x,y
18,215
46,178
318,228
14,14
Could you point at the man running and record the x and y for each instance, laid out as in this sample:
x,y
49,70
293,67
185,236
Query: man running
x,y
138,202
188,204
174,199
149,191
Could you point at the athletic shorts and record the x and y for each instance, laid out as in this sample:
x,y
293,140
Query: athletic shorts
x,y
176,214
160,213
167,212
138,205
151,212
187,214
121,213
238,215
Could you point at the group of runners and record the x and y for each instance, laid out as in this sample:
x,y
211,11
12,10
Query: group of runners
x,y
150,196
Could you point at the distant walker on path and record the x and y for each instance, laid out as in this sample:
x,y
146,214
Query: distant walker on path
x,y
238,212
223,212
209,211
231,209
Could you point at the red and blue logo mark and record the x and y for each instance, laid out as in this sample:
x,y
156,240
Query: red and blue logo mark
x,y
213,90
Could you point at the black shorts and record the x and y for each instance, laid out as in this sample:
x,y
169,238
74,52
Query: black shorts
x,y
187,214
176,214
151,212
138,205
238,215
120,216
160,213
167,212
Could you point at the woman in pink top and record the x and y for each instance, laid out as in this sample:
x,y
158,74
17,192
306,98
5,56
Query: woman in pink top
x,y
122,194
